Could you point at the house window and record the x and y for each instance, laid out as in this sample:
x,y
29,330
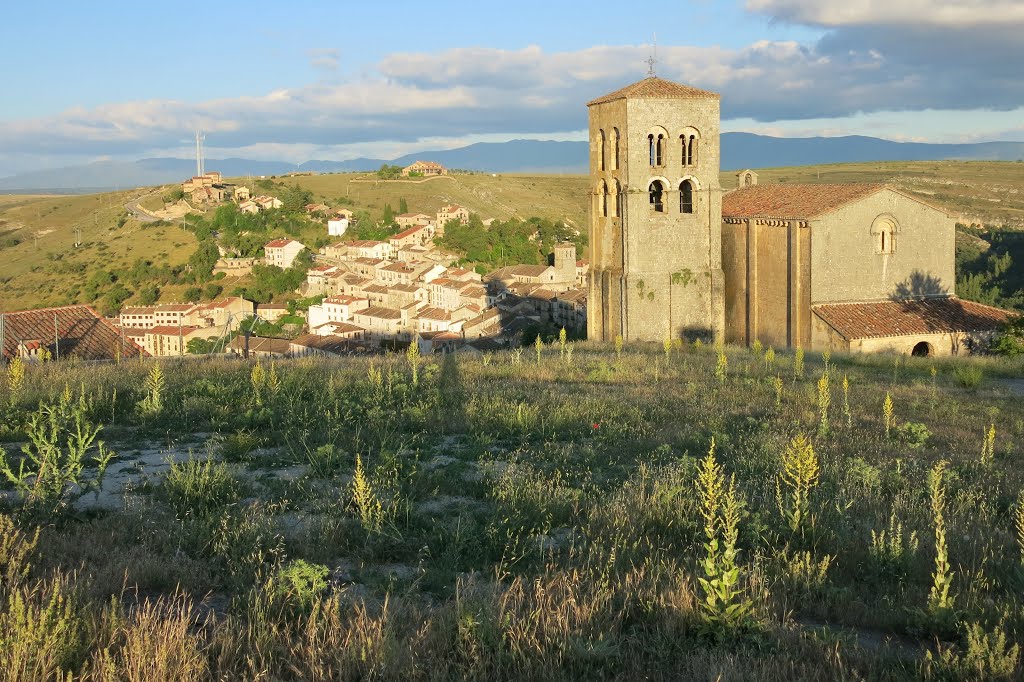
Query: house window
x,y
657,196
686,197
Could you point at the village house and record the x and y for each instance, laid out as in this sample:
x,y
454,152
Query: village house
x,y
234,267
141,317
248,206
225,312
318,278
282,252
450,212
438,342
401,295
167,340
346,330
265,203
369,248
337,227
329,345
558,277
317,208
424,168
271,312
241,194
260,347
380,323
367,267
407,220
335,309
59,333
417,235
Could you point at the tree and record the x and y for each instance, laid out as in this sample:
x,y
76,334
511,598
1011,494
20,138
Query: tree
x,y
148,295
193,294
403,205
212,291
204,260
389,215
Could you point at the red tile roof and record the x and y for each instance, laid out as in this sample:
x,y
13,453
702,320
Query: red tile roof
x,y
655,88
910,317
81,331
792,201
278,243
407,233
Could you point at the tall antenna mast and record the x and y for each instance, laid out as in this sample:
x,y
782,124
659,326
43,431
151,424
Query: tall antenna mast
x,y
653,59
199,153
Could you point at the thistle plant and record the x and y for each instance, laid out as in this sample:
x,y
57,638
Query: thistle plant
x,y
800,472
538,346
988,445
824,400
721,365
517,356
618,347
273,380
568,354
889,549
769,359
756,348
153,403
562,339
798,363
15,381
940,601
846,402
887,414
725,604
825,357
778,385
412,356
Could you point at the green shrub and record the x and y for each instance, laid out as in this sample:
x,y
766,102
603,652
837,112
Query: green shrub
x,y
968,376
199,487
914,434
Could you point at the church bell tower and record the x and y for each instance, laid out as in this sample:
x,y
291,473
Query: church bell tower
x,y
655,214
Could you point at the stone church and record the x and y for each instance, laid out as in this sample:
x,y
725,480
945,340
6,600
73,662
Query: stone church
x,y
851,267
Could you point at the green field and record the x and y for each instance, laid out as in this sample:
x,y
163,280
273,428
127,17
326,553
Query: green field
x,y
44,268
517,517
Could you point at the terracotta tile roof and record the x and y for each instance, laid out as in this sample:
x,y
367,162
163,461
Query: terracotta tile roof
x,y
366,243
174,308
341,299
325,344
380,313
278,243
82,332
174,330
407,233
906,318
792,201
656,88
262,344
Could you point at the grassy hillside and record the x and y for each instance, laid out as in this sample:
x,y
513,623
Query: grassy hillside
x,y
513,518
981,192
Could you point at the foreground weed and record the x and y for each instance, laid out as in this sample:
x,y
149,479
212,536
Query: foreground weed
x,y
988,445
563,338
667,345
300,583
153,403
984,656
891,550
756,348
1018,522
824,401
15,381
725,604
940,601
538,347
798,364
800,472
16,547
721,365
412,356
367,504
846,402
769,359
199,487
887,414
934,371
60,436
618,347
778,385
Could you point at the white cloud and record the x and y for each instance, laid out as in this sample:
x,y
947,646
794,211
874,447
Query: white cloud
x,y
835,13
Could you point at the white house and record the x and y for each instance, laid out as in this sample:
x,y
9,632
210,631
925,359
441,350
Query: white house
x,y
282,252
337,227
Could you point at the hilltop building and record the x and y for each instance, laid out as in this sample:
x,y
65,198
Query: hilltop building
x,y
424,168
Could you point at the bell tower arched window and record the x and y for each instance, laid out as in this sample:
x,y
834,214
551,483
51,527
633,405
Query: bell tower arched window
x,y
686,197
601,199
615,148
617,205
688,143
656,192
656,149
600,150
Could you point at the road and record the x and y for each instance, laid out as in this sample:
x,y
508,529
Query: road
x,y
139,213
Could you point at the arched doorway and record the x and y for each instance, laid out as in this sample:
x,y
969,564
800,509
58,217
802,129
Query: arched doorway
x,y
922,350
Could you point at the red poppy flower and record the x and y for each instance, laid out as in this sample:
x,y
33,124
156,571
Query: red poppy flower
x,y
596,426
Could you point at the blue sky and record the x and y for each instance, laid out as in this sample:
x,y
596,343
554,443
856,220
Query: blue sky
x,y
334,80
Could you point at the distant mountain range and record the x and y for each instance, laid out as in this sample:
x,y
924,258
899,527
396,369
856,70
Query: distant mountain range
x,y
739,150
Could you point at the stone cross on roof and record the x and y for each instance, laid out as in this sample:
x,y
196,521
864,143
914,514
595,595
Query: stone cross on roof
x,y
653,59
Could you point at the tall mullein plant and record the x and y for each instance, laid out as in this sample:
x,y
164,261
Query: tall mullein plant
x,y
940,599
